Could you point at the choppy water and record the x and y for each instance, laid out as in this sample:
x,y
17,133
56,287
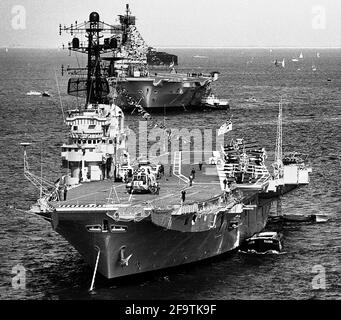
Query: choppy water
x,y
312,115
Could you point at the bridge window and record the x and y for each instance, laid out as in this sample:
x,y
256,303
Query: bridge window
x,y
118,228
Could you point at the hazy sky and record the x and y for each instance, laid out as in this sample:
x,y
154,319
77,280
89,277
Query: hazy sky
x,y
171,23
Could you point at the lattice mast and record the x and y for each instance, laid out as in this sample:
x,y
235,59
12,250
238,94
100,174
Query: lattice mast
x,y
279,151
94,86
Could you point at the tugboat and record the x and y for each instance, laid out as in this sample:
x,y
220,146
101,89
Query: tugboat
x,y
213,102
125,216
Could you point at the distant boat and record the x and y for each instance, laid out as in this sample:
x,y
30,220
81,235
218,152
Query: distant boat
x,y
318,55
6,49
314,68
200,57
46,94
38,93
294,60
280,63
251,99
33,93
301,55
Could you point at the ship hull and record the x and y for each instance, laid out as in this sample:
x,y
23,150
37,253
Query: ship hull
x,y
151,246
161,94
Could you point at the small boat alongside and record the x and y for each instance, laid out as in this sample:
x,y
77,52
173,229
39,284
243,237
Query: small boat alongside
x,y
315,218
263,242
299,218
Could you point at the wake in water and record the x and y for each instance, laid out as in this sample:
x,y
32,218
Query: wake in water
x,y
254,252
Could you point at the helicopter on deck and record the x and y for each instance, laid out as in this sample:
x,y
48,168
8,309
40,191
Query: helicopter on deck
x,y
145,178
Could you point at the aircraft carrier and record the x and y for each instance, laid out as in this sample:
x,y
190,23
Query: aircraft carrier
x,y
128,215
150,77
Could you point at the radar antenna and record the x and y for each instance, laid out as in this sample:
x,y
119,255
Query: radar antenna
x,y
91,82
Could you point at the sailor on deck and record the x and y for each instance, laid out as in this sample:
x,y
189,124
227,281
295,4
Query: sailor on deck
x,y
225,183
65,192
193,173
190,180
183,196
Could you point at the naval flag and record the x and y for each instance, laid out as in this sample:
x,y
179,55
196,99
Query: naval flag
x,y
226,127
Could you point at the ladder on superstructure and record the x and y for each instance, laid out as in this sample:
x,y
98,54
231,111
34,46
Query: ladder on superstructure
x,y
177,167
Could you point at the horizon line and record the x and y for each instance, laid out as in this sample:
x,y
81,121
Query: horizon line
x,y
193,47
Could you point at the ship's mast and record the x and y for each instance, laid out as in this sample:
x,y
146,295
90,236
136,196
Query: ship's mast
x,y
92,86
279,152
